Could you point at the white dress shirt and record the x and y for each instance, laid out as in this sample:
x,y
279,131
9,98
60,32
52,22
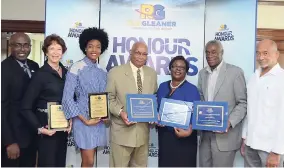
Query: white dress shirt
x,y
212,80
134,71
263,128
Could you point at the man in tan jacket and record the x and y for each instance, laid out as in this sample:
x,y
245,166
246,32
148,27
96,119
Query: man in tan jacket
x,y
129,141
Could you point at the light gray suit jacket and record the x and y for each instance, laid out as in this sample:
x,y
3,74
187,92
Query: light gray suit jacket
x,y
230,87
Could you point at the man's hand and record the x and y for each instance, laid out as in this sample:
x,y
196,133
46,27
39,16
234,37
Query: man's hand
x,y
13,151
159,119
273,160
243,148
227,130
124,117
181,133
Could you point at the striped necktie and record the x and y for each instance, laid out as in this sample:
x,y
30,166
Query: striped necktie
x,y
27,70
139,82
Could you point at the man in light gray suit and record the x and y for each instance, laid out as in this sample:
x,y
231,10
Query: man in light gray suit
x,y
220,81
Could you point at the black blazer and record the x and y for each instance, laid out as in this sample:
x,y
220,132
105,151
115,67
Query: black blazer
x,y
46,86
14,82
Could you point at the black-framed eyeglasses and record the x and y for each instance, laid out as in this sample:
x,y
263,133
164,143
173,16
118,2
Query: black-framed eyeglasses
x,y
21,45
182,68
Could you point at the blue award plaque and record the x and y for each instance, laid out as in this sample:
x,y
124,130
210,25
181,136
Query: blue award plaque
x,y
210,116
175,113
141,107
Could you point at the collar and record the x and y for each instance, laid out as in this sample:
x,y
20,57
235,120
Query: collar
x,y
47,67
134,68
21,64
273,71
90,62
217,69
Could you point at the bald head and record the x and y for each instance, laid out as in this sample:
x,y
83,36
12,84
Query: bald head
x,y
20,44
267,53
14,38
267,43
138,54
136,45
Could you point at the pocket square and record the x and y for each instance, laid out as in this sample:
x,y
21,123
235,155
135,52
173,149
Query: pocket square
x,y
32,71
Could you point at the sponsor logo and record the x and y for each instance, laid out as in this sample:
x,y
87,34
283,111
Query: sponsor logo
x,y
68,63
76,30
70,141
224,33
153,150
106,150
153,17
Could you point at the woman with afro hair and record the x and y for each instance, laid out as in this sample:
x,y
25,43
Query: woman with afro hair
x,y
84,77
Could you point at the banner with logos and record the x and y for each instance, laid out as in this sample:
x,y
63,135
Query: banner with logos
x,y
235,28
234,24
68,18
169,28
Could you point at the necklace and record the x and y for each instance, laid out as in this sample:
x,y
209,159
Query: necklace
x,y
57,69
174,87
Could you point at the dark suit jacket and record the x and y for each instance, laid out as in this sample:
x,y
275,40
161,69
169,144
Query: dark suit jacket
x,y
14,82
45,86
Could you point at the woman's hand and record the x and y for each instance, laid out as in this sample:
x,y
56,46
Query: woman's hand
x,y
46,131
70,127
94,121
89,122
181,133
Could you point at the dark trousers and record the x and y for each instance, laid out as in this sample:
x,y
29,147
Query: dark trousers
x,y
52,150
27,157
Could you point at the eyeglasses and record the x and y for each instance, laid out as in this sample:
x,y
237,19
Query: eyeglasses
x,y
21,45
178,68
139,53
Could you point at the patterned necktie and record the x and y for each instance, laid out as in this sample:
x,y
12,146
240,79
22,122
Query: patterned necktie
x,y
27,70
139,82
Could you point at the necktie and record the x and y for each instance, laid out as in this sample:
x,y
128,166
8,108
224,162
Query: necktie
x,y
139,82
27,70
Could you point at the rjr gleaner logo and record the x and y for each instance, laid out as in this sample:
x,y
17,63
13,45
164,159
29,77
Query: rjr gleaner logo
x,y
155,12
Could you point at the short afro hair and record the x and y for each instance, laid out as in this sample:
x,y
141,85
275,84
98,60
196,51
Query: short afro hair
x,y
93,33
179,57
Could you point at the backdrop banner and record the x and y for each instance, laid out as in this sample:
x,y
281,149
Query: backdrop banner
x,y
169,28
68,18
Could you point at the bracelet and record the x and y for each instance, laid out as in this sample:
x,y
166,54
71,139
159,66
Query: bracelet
x,y
39,130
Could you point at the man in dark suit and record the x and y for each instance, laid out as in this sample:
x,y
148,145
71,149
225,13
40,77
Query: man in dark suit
x,y
18,147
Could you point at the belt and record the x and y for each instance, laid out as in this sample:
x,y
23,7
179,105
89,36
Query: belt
x,y
42,110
